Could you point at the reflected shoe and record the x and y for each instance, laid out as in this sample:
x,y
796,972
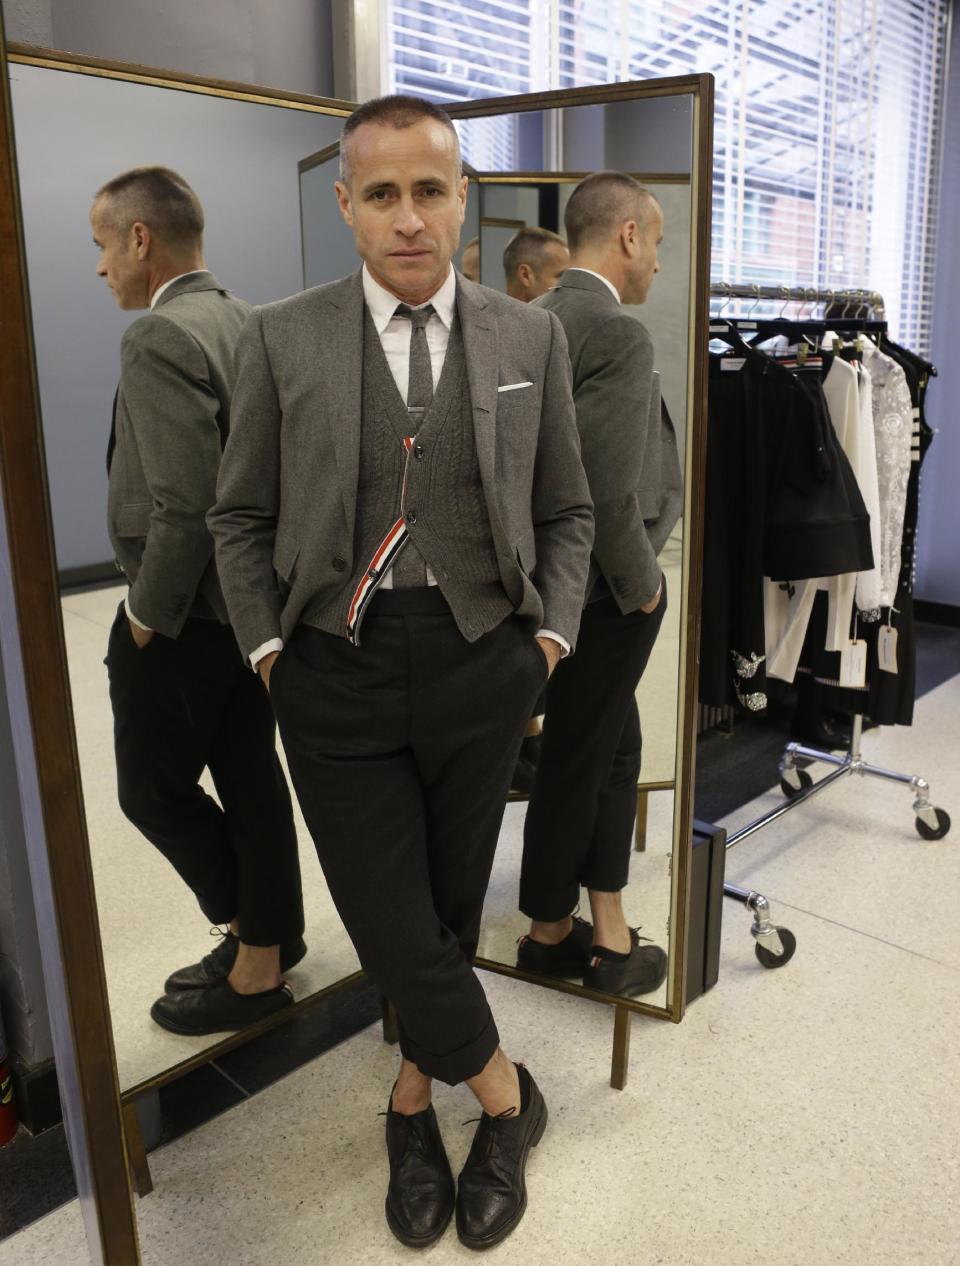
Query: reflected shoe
x,y
492,1191
641,971
819,731
524,773
218,964
569,957
421,1194
525,769
217,1009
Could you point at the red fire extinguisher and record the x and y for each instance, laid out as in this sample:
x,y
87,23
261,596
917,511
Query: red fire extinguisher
x,y
8,1109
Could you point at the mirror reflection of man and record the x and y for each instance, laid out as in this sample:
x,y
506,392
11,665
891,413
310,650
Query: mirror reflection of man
x,y
183,698
579,824
533,263
403,535
470,266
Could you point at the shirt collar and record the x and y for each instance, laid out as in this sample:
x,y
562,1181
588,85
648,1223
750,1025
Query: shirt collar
x,y
606,280
382,304
167,284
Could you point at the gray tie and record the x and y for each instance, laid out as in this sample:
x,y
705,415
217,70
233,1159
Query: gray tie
x,y
410,571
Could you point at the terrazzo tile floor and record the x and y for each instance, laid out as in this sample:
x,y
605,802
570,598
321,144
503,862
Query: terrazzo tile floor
x,y
807,1116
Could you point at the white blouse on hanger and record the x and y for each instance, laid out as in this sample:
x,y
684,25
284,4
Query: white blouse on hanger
x,y
893,428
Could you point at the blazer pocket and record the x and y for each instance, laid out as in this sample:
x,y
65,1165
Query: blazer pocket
x,y
527,553
285,555
134,519
513,386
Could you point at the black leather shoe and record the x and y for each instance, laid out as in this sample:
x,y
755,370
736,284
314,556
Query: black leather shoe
x,y
492,1191
218,964
641,971
421,1196
217,1008
569,957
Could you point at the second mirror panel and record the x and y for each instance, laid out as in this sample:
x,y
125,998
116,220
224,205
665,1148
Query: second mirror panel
x,y
529,166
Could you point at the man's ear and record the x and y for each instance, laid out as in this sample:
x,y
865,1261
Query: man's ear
x,y
142,240
462,197
525,274
629,237
343,201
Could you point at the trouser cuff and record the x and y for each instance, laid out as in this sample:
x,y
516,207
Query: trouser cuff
x,y
455,1066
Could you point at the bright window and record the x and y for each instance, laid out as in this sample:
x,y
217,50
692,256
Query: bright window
x,y
826,131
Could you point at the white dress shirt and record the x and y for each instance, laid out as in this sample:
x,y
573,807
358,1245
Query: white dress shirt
x,y
395,334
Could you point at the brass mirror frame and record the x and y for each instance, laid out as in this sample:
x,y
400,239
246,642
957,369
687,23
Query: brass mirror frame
x,y
700,89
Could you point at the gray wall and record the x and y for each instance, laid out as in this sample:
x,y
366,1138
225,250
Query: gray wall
x,y
226,39
938,555
73,133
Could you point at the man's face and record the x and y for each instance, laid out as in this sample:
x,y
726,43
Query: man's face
x,y
405,204
120,262
643,262
555,260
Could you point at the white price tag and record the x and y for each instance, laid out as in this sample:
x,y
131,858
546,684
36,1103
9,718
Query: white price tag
x,y
853,663
887,648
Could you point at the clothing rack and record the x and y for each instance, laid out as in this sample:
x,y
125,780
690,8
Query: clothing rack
x,y
775,946
869,300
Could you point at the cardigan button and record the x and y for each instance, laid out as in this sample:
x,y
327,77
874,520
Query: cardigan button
x,y
339,564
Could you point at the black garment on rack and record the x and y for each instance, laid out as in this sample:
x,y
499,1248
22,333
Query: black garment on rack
x,y
781,501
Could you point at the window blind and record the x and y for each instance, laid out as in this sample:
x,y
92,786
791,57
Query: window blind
x,y
826,136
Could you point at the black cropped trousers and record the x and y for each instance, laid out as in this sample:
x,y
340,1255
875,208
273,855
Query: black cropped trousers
x,y
401,752
579,826
185,704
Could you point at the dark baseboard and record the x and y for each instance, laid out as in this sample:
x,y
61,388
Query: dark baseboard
x,y
37,1095
92,576
936,613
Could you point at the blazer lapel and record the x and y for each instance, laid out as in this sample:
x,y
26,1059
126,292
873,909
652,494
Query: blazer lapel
x,y
481,346
342,343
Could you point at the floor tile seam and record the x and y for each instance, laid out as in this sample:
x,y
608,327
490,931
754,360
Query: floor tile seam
x,y
247,1094
88,620
780,903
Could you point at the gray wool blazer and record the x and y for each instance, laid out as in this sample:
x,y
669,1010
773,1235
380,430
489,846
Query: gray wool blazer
x,y
286,497
627,439
172,420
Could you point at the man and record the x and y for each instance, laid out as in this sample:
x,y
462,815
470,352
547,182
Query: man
x,y
403,518
580,817
533,263
182,697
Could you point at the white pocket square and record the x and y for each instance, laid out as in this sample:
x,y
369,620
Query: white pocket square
x,y
514,386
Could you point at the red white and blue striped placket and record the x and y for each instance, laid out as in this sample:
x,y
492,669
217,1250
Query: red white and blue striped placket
x,y
383,559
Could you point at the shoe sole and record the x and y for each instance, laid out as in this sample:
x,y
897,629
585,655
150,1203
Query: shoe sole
x,y
413,1241
185,1030
498,1237
633,992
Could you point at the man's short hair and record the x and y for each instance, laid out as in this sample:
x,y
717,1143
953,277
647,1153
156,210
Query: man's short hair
x,y
399,111
157,197
528,246
600,204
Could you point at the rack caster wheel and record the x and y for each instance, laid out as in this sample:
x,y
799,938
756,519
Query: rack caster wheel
x,y
939,831
789,943
789,790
